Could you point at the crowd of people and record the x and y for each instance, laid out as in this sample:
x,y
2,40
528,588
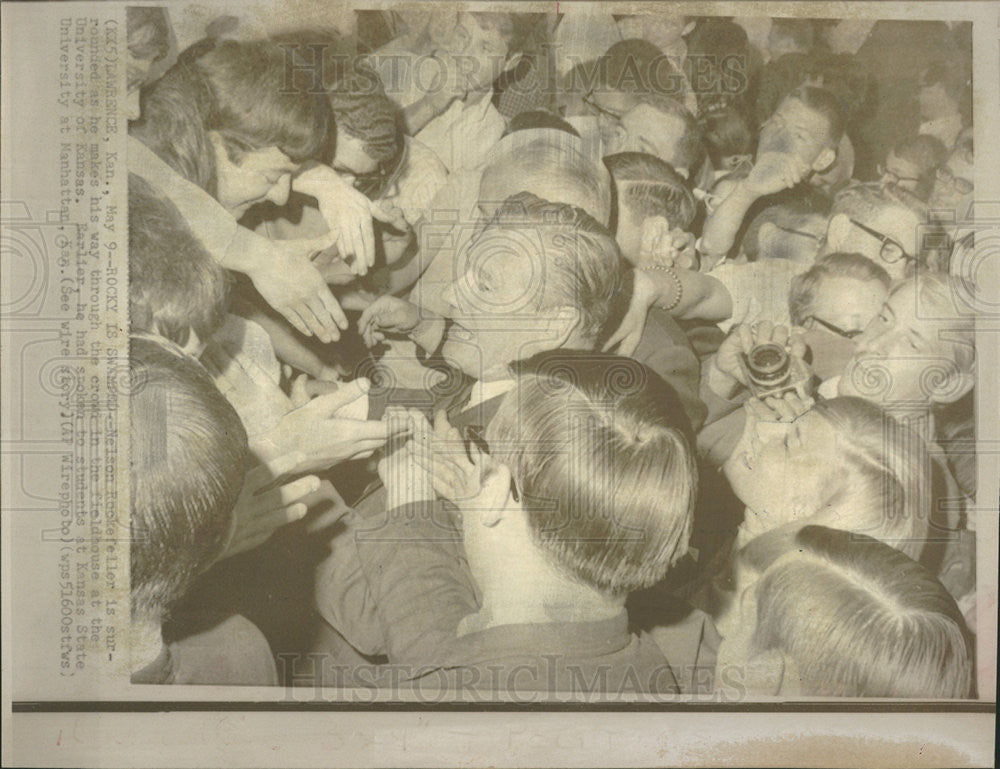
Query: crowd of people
x,y
537,355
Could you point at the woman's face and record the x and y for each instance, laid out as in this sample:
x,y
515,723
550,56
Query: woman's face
x,y
782,471
264,174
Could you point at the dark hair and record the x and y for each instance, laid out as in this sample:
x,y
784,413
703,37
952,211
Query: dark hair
x,y
726,132
538,118
188,450
148,32
648,186
926,153
825,103
238,90
789,208
639,68
600,450
860,619
175,286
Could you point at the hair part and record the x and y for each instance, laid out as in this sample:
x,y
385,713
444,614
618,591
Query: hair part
x,y
601,453
648,186
860,619
188,451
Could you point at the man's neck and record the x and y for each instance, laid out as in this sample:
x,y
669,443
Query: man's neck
x,y
538,593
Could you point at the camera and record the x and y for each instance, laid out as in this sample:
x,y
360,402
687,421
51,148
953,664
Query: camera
x,y
772,372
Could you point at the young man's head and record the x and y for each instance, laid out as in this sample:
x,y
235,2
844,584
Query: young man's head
x,y
637,99
790,225
808,124
188,451
838,614
539,276
840,294
653,199
176,289
369,137
728,139
881,222
919,351
912,164
593,469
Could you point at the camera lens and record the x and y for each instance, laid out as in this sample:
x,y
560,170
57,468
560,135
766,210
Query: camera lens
x,y
768,363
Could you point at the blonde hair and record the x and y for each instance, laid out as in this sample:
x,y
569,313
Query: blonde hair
x,y
860,619
600,452
888,493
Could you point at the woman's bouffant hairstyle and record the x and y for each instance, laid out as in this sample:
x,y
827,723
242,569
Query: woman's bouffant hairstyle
x,y
802,296
239,90
188,451
600,452
887,480
861,619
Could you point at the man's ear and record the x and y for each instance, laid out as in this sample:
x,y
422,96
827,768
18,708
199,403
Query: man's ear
x,y
655,235
837,230
561,322
765,237
824,160
495,499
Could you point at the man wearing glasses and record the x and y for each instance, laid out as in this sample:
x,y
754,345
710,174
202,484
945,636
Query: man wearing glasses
x,y
879,222
637,103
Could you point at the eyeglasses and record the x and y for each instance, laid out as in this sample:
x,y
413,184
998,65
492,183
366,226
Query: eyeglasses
x,y
375,184
473,435
946,176
818,239
893,177
597,109
835,329
892,251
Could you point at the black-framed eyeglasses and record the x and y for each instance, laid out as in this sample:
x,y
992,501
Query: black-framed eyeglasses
x,y
819,240
374,184
835,329
893,177
473,436
946,176
597,109
892,250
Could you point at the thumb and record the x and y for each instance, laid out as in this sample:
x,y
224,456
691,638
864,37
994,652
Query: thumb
x,y
330,403
380,213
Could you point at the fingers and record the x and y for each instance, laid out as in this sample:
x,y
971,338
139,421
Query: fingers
x,y
330,403
616,337
328,304
630,343
299,393
292,316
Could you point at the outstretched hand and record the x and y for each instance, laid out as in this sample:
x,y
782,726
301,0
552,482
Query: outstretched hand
x,y
288,280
